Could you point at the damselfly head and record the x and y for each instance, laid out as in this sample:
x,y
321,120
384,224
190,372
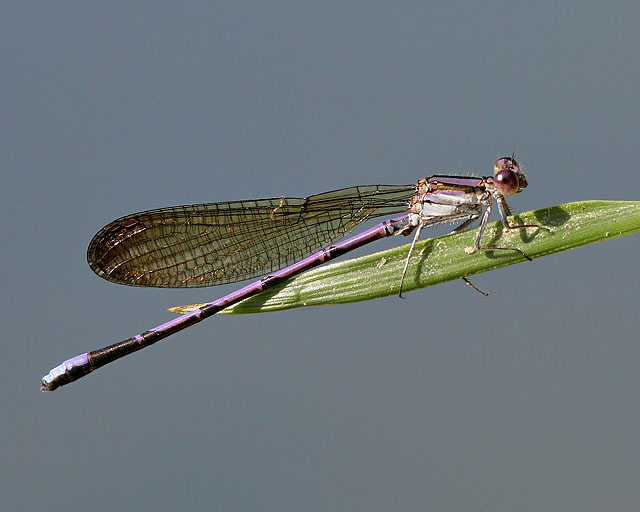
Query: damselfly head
x,y
508,177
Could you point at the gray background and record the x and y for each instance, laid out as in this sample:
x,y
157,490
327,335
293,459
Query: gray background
x,y
525,400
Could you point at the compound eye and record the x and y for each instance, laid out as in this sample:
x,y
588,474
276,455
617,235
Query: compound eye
x,y
508,178
506,162
507,182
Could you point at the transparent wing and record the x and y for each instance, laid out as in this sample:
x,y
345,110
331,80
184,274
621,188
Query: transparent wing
x,y
217,243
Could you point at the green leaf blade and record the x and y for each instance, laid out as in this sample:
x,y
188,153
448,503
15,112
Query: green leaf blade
x,y
446,258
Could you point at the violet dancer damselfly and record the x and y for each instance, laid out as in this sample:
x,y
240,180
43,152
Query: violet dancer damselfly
x,y
217,243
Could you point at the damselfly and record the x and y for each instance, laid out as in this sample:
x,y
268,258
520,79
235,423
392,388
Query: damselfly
x,y
217,243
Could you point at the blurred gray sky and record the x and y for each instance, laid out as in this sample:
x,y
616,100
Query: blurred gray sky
x,y
525,400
